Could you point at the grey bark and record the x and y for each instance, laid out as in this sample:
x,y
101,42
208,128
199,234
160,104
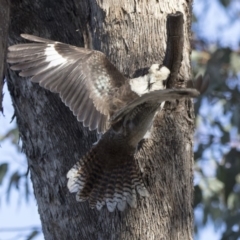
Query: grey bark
x,y
4,22
133,35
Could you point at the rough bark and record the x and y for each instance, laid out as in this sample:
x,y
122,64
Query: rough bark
x,y
4,22
133,35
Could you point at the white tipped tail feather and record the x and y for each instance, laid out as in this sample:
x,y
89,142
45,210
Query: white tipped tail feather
x,y
105,178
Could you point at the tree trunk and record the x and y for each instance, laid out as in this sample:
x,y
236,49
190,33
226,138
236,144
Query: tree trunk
x,y
4,20
133,35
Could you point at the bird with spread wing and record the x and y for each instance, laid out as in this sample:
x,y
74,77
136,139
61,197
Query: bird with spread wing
x,y
103,99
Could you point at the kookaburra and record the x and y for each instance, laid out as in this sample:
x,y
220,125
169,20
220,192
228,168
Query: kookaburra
x,y
103,99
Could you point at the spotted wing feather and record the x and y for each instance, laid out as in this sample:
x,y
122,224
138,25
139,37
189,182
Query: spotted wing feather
x,y
85,79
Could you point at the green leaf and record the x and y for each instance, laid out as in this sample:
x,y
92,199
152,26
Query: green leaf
x,y
237,178
12,133
3,171
235,62
232,200
13,136
215,185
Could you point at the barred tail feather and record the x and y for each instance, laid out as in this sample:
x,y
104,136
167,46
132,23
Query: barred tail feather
x,y
110,182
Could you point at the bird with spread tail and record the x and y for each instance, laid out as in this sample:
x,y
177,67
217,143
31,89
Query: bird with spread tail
x,y
121,109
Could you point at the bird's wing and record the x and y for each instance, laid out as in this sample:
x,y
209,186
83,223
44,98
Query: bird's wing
x,y
85,79
157,97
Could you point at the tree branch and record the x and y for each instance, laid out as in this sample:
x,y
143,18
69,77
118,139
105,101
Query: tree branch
x,y
173,56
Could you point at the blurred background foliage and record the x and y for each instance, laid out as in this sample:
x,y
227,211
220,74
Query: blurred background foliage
x,y
217,139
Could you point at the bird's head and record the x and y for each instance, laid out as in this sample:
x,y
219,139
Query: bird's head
x,y
158,75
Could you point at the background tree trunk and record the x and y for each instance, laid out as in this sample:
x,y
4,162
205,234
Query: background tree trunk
x,y
133,35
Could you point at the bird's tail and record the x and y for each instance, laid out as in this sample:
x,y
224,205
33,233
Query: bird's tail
x,y
101,180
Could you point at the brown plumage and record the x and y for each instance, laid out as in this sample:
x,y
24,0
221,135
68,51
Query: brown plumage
x,y
103,99
107,175
85,80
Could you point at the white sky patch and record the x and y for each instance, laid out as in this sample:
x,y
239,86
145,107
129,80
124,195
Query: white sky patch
x,y
217,23
12,214
208,231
